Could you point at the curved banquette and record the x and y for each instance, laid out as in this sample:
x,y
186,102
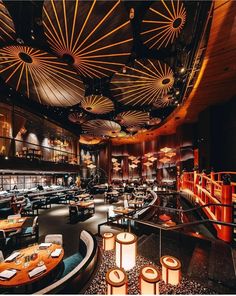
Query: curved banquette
x,y
74,278
148,208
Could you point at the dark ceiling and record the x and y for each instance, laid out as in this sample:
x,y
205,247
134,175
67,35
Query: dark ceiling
x,y
138,58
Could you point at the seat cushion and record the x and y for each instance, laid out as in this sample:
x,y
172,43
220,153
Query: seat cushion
x,y
71,262
27,230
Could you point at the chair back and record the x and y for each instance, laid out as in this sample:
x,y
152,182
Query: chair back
x,y
35,223
2,234
1,257
126,205
54,239
12,217
111,211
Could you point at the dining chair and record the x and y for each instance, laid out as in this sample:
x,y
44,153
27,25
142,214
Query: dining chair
x,y
54,239
4,240
1,257
31,232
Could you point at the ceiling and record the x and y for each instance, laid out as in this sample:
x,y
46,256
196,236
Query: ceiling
x,y
103,69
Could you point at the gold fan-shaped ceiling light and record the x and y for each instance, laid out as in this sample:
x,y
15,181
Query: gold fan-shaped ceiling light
x,y
7,28
143,84
77,117
101,127
132,117
89,140
154,121
163,102
95,36
40,76
97,104
163,23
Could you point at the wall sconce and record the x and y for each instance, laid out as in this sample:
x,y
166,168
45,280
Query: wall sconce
x,y
171,270
117,282
108,241
149,280
126,250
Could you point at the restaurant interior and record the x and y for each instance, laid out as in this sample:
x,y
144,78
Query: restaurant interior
x,y
117,147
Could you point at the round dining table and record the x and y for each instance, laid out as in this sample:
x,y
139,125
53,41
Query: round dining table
x,y
9,225
24,266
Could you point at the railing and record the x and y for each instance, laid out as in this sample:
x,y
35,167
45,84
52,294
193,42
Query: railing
x,y
206,190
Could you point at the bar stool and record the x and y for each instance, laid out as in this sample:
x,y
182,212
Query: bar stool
x,y
171,270
149,280
117,282
108,241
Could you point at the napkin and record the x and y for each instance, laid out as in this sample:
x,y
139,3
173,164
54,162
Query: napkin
x,y
44,245
56,253
37,270
7,274
12,257
20,220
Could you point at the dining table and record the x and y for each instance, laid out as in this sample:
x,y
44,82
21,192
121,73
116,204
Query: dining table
x,y
9,225
28,265
82,196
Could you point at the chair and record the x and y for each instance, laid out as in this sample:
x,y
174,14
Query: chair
x,y
73,212
1,257
4,241
54,239
29,232
13,217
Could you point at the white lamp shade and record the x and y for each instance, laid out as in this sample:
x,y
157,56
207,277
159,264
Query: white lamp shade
x,y
126,250
171,270
117,282
108,241
149,280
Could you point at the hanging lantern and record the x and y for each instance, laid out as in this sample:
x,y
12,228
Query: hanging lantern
x,y
165,160
170,154
132,157
148,155
165,149
152,159
148,164
133,166
114,160
136,161
91,166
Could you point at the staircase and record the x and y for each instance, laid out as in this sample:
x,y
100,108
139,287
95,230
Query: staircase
x,y
209,262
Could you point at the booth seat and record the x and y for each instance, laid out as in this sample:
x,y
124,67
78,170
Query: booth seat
x,y
77,268
142,212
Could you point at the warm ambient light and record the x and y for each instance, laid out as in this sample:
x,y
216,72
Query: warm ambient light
x,y
126,250
171,270
108,241
117,283
149,280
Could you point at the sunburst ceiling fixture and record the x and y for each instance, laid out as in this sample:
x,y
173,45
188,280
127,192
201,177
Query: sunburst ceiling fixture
x,y
101,127
7,28
89,140
94,36
165,149
97,104
163,102
154,121
133,129
143,84
40,76
77,117
132,117
163,23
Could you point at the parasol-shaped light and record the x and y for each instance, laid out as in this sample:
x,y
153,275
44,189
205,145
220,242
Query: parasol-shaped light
x,y
170,154
101,127
131,157
133,166
77,117
7,28
152,159
143,84
132,118
97,104
91,166
94,36
148,163
136,161
88,161
149,154
163,23
165,149
114,159
40,76
87,156
165,159
116,169
89,140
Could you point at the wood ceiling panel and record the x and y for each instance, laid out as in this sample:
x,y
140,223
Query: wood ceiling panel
x,y
216,82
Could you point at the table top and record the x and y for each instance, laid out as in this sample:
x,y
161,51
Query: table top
x,y
12,224
136,202
84,204
83,195
114,192
22,276
121,210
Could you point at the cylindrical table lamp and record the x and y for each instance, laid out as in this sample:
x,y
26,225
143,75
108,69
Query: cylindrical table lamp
x,y
108,241
149,280
126,250
171,270
116,280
